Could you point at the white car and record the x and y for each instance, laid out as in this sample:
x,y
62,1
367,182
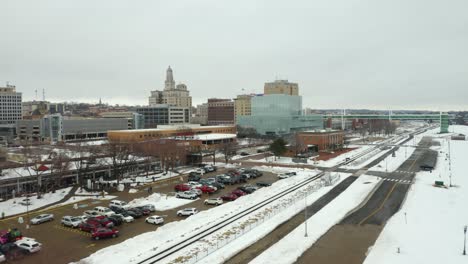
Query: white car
x,y
286,175
117,204
91,213
194,184
42,218
126,218
198,192
187,195
30,245
83,218
187,212
155,220
71,221
214,201
101,210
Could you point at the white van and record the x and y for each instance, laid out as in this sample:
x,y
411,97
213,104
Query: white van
x,y
104,211
117,204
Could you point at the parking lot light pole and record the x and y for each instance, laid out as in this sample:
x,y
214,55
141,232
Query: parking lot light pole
x,y
464,241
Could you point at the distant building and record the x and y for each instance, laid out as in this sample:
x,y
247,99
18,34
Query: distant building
x,y
281,87
278,114
243,105
135,120
323,140
10,105
38,109
175,95
55,128
220,112
164,114
201,115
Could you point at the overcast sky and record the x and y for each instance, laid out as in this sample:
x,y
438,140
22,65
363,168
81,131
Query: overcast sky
x,y
391,54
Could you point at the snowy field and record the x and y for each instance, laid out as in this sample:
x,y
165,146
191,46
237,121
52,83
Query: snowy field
x,y
292,246
13,206
429,227
162,202
136,248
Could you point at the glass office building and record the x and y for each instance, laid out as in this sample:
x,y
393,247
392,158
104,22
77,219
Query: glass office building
x,y
279,114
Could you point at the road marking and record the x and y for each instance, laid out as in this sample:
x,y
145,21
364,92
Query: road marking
x,y
381,206
72,230
90,245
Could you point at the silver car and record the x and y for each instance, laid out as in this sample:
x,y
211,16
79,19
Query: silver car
x,y
42,218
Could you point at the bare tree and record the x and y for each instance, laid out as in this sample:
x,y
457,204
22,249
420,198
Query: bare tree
x,y
84,157
121,158
32,164
228,150
60,165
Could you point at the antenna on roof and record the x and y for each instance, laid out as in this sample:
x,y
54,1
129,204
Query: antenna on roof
x,y
43,94
36,94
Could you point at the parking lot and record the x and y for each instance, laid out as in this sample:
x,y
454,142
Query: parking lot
x,y
62,244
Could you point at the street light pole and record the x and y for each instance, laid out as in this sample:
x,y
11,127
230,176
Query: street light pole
x,y
464,241
305,214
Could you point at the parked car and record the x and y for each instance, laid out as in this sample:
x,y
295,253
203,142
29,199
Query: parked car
x,y
135,213
71,221
116,220
263,184
104,221
143,210
207,189
187,212
260,150
426,167
214,201
83,218
210,168
198,192
182,187
29,245
155,220
210,180
149,207
42,218
2,257
194,184
104,233
286,175
218,185
90,213
248,189
224,179
125,217
25,202
229,197
204,182
89,226
117,204
104,211
187,195
233,172
239,193
244,153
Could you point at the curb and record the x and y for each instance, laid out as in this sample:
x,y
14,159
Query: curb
x,y
364,202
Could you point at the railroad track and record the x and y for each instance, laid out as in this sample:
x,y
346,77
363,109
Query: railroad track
x,y
216,227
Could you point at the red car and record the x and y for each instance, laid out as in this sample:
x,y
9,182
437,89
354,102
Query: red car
x,y
233,172
104,221
182,187
104,233
89,226
229,197
206,189
238,193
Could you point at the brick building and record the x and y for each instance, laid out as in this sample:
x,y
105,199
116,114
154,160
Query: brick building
x,y
221,112
324,140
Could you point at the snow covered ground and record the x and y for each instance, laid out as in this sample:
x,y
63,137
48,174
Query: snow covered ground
x,y
429,227
291,247
136,248
162,202
13,206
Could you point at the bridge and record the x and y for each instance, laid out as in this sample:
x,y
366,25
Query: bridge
x,y
442,118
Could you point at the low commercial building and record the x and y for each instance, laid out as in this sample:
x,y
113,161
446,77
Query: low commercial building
x,y
55,128
135,120
324,140
185,131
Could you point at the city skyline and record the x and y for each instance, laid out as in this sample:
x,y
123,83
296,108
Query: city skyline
x,y
373,55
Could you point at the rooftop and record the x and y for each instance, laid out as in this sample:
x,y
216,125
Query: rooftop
x,y
169,127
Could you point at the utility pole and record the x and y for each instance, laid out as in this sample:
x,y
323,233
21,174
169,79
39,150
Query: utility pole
x,y
450,163
464,241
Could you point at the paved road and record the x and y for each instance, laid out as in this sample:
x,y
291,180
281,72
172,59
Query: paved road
x,y
63,245
357,232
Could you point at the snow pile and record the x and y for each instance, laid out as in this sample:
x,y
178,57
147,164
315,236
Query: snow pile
x,y
292,246
162,202
13,206
429,226
137,248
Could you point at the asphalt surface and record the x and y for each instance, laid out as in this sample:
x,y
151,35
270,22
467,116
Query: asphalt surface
x,y
349,241
64,245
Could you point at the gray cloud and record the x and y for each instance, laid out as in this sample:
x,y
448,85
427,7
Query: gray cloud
x,y
343,53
